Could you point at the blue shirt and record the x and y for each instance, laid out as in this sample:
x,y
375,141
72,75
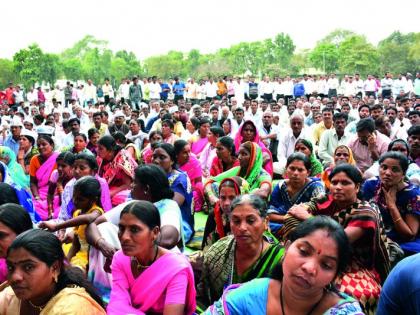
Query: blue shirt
x,y
163,87
12,144
298,90
401,291
177,87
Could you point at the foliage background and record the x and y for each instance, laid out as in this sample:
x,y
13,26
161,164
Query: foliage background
x,y
342,51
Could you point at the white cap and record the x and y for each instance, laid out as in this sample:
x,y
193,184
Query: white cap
x,y
119,113
173,109
16,121
48,130
30,133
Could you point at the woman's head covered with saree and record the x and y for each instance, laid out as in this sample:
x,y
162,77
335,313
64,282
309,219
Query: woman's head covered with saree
x,y
250,163
342,155
9,158
304,146
50,277
247,132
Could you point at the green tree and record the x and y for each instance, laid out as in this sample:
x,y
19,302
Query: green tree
x,y
394,52
7,73
337,36
283,49
72,69
29,63
325,56
358,55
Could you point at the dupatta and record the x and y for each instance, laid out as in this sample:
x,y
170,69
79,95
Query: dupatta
x,y
239,139
19,176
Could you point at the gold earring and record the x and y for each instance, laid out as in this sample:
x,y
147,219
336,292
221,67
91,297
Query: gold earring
x,y
55,278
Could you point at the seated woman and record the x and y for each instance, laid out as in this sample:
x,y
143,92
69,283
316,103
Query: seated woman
x,y
87,201
192,125
14,220
248,132
150,184
413,170
227,128
79,145
137,134
146,154
209,151
164,156
225,158
40,169
116,166
297,188
127,144
51,288
58,180
93,136
317,252
27,148
199,143
397,199
250,169
168,131
240,257
147,278
218,222
189,164
83,165
342,155
305,147
8,157
363,226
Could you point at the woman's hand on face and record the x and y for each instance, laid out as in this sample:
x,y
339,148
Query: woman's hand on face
x,y
21,154
299,212
390,195
49,225
213,200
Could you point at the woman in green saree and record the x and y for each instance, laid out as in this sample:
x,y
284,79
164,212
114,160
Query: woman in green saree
x,y
250,168
245,255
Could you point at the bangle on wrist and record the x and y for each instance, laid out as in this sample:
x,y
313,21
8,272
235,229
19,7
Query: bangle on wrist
x,y
399,219
97,241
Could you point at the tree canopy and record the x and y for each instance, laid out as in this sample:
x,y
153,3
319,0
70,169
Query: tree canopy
x,y
341,51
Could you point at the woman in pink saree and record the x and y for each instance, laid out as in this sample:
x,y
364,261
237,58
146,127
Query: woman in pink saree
x,y
189,164
147,278
116,166
154,137
199,144
249,132
40,169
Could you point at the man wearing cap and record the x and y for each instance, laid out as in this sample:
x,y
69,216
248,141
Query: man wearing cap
x,y
145,113
12,140
119,124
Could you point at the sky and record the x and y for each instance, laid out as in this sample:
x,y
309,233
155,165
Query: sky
x,y
154,27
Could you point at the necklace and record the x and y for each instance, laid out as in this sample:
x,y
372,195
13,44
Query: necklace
x,y
282,303
140,266
39,308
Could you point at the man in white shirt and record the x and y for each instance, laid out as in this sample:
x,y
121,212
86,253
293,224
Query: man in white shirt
x,y
192,91
211,89
332,138
350,88
359,85
370,86
240,89
288,89
308,84
269,134
266,89
108,91
288,140
155,89
32,95
386,84
333,85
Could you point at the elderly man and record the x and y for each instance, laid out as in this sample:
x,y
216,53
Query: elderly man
x,y
119,124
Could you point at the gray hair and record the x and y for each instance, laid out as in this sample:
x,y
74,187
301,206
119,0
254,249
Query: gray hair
x,y
297,115
253,200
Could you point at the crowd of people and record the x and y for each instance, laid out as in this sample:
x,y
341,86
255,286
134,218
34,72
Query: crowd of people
x,y
309,186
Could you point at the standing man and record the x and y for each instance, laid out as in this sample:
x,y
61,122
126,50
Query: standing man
x,y
135,94
178,88
332,86
90,92
155,89
108,91
386,84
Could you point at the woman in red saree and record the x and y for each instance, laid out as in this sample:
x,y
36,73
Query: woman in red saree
x,y
116,166
40,169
